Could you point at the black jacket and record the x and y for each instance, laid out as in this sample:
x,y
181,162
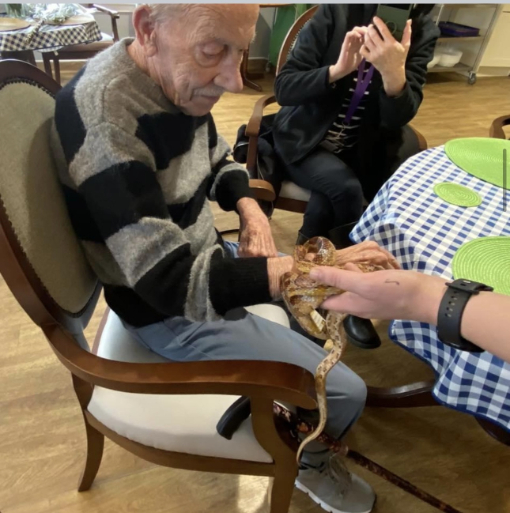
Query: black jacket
x,y
310,103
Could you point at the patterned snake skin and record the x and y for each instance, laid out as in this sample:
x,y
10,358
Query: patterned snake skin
x,y
303,296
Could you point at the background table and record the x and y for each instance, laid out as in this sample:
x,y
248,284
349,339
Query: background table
x,y
48,38
424,232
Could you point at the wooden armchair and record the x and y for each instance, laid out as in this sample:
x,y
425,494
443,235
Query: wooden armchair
x,y
85,50
161,411
291,197
496,129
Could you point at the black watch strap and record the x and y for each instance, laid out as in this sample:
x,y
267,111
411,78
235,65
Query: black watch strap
x,y
452,307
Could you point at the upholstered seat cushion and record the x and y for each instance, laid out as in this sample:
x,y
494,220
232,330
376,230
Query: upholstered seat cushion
x,y
181,423
96,46
292,191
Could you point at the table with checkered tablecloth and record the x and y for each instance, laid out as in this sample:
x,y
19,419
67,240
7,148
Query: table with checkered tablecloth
x,y
49,37
424,232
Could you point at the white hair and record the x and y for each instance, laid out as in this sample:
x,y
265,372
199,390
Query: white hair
x,y
164,12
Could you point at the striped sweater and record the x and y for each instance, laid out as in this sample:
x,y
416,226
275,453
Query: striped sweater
x,y
137,175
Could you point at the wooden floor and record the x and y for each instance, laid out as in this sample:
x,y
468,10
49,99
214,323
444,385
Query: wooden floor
x,y
42,442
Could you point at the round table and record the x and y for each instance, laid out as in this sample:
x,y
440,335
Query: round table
x,y
424,232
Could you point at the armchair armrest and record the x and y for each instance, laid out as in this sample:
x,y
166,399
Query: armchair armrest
x,y
262,190
496,129
253,129
258,379
114,16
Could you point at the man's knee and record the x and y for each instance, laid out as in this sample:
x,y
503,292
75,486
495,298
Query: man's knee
x,y
355,391
347,387
347,191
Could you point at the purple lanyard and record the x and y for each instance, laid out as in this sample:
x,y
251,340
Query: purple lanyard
x,y
361,87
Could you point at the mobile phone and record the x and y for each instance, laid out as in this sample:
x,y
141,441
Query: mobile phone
x,y
395,16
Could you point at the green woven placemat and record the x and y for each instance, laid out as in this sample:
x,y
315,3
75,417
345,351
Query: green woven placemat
x,y
457,194
480,157
486,260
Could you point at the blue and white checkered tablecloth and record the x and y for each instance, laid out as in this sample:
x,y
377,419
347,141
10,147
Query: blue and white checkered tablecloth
x,y
49,37
424,232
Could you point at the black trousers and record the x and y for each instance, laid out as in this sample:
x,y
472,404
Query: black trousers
x,y
339,183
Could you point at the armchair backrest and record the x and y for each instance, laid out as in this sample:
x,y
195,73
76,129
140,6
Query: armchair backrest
x,y
41,259
291,37
114,16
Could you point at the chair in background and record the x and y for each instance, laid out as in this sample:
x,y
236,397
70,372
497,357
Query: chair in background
x,y
291,197
82,51
162,411
496,129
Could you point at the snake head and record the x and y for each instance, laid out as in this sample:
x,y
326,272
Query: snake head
x,y
316,251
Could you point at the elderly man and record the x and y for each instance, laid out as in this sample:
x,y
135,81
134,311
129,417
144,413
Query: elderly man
x,y
139,157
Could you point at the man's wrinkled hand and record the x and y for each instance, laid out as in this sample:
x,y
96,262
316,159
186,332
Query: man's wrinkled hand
x,y
256,238
367,252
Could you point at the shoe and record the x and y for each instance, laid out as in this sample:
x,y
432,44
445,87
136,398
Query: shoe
x,y
339,236
301,239
361,332
336,489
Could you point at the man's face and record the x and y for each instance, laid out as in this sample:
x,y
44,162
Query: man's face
x,y
199,53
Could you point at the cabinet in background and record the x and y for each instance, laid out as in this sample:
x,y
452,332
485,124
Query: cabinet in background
x,y
497,53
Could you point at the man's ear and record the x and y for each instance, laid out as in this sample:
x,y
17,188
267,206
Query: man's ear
x,y
145,30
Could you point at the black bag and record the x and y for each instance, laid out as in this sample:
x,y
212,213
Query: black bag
x,y
267,167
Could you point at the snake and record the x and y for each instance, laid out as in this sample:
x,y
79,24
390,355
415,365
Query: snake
x,y
303,296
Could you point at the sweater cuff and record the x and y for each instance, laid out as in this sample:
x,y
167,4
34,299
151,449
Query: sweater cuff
x,y
397,111
235,282
232,186
327,84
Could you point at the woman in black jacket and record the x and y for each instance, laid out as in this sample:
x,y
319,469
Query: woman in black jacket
x,y
340,149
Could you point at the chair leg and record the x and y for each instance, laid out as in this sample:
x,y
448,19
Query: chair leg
x,y
414,395
281,492
47,65
498,433
56,64
95,444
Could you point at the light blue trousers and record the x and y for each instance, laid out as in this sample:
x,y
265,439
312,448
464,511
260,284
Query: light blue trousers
x,y
250,337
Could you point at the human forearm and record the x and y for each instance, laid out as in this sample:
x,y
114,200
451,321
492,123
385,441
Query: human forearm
x,y
394,81
486,323
230,180
293,87
249,211
415,296
485,320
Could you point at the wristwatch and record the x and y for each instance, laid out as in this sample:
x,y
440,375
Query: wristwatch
x,y
450,312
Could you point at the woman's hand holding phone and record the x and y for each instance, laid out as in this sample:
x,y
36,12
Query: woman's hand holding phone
x,y
387,55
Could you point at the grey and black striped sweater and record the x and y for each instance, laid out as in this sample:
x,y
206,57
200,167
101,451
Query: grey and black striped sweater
x,y
137,175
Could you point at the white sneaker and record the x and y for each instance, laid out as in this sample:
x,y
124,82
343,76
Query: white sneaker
x,y
336,489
